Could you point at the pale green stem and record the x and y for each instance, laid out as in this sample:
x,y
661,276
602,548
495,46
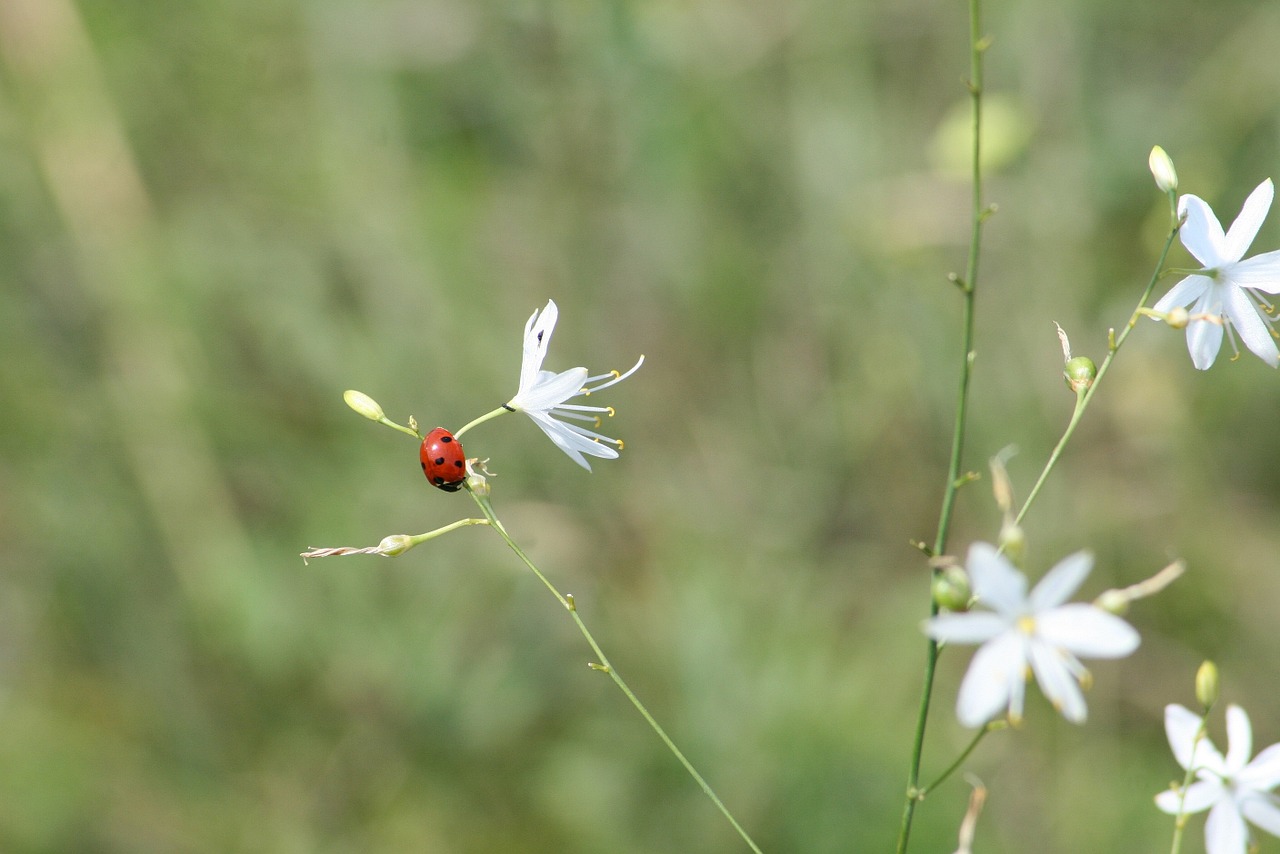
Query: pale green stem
x,y
1180,820
501,410
977,46
408,431
603,664
964,754
1083,398
415,539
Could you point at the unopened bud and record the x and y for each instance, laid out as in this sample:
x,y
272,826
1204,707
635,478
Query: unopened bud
x,y
951,588
1162,170
1207,685
1113,602
1079,373
1178,317
365,405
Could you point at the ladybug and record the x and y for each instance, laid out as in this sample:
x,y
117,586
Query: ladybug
x,y
443,461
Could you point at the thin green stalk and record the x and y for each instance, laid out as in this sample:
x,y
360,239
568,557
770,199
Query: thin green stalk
x,y
1083,398
1180,820
968,285
604,666
501,410
964,754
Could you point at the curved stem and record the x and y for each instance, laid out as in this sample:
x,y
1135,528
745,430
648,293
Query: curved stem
x,y
1083,398
977,46
501,410
603,664
964,754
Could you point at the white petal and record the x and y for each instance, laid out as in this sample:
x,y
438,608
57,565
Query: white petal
x,y
1202,233
1245,228
537,338
1263,811
1200,796
1239,739
995,582
989,684
1224,831
1261,272
975,627
1254,332
561,437
1181,726
1185,292
1060,582
1204,340
573,440
1263,773
549,390
1057,682
1087,631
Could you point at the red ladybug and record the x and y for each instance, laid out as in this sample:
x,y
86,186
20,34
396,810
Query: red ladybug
x,y
443,461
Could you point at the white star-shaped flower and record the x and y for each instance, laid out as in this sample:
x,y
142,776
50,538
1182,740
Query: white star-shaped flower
x,y
1232,788
544,395
1035,631
1225,293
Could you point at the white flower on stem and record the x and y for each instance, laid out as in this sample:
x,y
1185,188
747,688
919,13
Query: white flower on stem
x,y
1232,788
544,395
1224,295
1022,632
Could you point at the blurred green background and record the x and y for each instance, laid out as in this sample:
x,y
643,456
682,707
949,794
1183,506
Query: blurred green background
x,y
217,216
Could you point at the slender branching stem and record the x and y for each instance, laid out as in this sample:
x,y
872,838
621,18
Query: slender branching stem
x,y
602,663
977,47
1084,397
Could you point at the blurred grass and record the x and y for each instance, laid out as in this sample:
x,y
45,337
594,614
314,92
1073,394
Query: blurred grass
x,y
215,217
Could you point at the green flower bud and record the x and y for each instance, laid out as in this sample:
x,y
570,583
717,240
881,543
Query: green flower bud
x,y
951,589
1079,373
1113,602
1162,170
1207,685
363,404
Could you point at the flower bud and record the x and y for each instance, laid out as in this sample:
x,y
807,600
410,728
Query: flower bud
x,y
1079,373
1207,684
951,589
363,404
396,544
1178,317
1162,170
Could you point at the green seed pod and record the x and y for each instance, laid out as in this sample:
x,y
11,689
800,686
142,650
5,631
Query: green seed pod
x,y
951,589
1079,373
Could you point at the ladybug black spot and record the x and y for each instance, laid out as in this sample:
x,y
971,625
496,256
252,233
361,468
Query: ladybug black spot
x,y
438,481
457,463
439,461
446,439
424,466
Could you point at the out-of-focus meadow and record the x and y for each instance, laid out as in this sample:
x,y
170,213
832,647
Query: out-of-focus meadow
x,y
215,217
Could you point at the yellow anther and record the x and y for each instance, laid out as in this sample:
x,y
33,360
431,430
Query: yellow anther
x,y
620,445
584,391
597,422
1027,625
612,413
616,375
